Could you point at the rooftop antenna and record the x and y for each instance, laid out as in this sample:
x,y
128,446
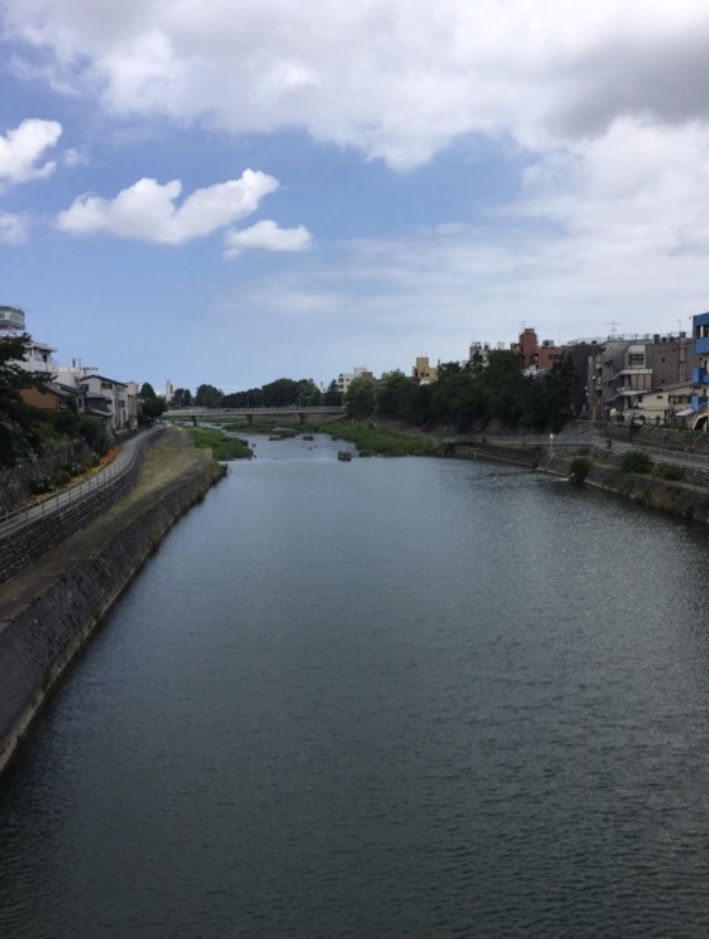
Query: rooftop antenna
x,y
612,325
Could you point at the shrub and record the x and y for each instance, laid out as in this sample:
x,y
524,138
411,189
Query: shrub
x,y
42,484
635,461
669,472
61,477
579,469
94,433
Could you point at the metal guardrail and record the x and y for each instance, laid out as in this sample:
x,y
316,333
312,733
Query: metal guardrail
x,y
699,461
15,521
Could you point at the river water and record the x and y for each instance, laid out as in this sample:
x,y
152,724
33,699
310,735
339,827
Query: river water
x,y
384,698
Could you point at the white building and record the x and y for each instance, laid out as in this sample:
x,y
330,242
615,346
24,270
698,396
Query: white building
x,y
345,379
40,358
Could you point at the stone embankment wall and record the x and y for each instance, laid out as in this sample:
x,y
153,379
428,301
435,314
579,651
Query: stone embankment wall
x,y
16,483
688,498
21,548
517,456
40,639
677,498
661,438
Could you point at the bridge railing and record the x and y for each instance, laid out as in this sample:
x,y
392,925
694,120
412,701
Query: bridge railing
x,y
281,409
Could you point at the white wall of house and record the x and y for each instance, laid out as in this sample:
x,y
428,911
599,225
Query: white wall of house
x,y
114,393
40,358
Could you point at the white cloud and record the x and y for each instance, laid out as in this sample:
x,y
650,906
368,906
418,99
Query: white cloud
x,y
640,189
13,228
148,211
399,79
22,149
267,236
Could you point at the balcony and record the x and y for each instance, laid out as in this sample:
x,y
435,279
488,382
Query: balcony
x,y
701,346
699,377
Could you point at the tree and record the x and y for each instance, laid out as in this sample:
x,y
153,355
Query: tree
x,y
456,398
502,386
308,393
20,434
360,398
395,395
333,396
559,393
208,397
152,405
181,398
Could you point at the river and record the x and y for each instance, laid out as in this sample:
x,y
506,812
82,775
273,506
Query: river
x,y
384,698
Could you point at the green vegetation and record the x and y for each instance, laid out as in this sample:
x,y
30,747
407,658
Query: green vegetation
x,y
372,439
668,471
636,461
21,432
223,447
63,475
466,397
284,392
27,431
579,469
469,396
153,405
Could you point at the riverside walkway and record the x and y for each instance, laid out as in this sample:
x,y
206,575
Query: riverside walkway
x,y
589,436
26,533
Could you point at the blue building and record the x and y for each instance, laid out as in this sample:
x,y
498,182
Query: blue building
x,y
700,374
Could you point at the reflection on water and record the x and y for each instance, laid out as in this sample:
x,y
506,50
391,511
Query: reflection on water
x,y
384,698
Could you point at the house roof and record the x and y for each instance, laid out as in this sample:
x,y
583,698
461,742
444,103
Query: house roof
x,y
114,381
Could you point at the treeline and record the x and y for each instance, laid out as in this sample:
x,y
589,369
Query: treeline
x,y
468,396
284,392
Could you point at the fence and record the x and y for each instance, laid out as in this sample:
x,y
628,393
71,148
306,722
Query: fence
x,y
28,533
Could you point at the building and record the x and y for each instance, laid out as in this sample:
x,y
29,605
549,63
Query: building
x,y
40,358
479,353
667,405
622,371
345,379
423,373
50,398
104,397
534,357
12,319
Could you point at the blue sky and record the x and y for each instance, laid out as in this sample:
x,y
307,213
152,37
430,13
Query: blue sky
x,y
233,191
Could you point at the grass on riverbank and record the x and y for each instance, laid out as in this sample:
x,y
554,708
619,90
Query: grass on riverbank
x,y
372,439
223,446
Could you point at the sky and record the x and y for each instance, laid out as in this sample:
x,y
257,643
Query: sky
x,y
234,191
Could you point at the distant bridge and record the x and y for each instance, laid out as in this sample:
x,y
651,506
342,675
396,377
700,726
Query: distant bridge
x,y
287,412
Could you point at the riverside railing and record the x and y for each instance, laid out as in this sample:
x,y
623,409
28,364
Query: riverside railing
x,y
29,532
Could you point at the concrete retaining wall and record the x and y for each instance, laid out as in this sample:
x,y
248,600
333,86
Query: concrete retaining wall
x,y
38,642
